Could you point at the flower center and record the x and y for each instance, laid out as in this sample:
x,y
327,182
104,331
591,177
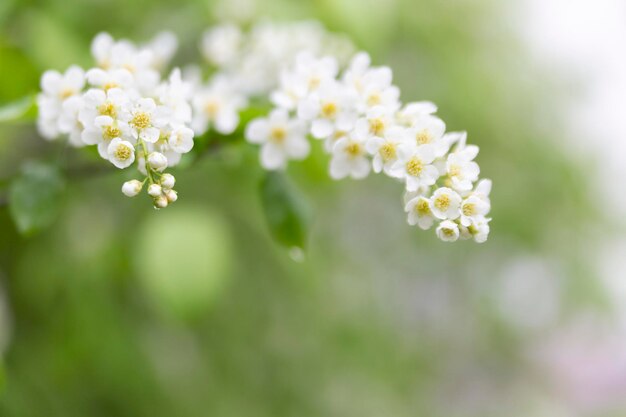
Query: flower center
x,y
141,120
68,92
455,171
388,151
415,166
353,149
314,82
111,132
107,109
448,232
469,209
212,108
329,110
122,152
422,208
423,137
374,99
377,126
109,85
278,134
442,202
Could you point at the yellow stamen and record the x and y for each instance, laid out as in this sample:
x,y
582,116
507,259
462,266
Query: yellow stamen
x,y
278,135
414,167
111,132
353,149
107,109
329,110
377,127
469,209
122,152
388,151
423,137
141,120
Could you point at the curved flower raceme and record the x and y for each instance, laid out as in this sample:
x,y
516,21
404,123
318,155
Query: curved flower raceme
x,y
365,128
318,90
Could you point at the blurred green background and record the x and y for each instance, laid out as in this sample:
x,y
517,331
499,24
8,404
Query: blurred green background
x,y
120,310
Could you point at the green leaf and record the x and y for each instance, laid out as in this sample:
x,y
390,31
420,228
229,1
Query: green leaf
x,y
35,197
286,210
22,109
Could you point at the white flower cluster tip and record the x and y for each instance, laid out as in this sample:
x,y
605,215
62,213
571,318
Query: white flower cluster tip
x,y
364,126
124,108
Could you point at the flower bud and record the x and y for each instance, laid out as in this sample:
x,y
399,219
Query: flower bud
x,y
155,190
168,181
160,202
157,161
131,188
171,195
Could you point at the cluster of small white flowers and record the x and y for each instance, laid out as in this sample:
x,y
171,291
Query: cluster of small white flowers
x,y
124,107
253,60
365,127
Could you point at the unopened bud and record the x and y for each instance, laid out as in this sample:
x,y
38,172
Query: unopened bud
x,y
168,181
160,202
171,195
131,188
155,190
157,161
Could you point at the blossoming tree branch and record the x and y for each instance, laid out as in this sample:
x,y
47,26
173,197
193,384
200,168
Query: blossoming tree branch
x,y
315,89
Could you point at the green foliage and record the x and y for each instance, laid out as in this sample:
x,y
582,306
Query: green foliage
x,y
286,210
183,259
35,197
20,110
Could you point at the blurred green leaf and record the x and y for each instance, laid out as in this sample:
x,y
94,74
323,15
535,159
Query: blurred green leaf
x,y
22,109
286,210
35,197
184,258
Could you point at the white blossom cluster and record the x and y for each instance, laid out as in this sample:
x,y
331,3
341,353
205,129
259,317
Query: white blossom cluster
x,y
252,61
124,107
364,126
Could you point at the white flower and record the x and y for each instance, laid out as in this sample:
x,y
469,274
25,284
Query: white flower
x,y
103,131
107,79
167,181
445,204
376,90
473,210
349,156
308,74
121,153
157,161
102,103
145,119
483,189
414,166
56,89
280,138
181,139
429,130
412,112
354,76
163,47
155,190
132,188
217,106
330,109
221,44
480,230
419,212
385,149
176,95
379,119
68,120
448,231
461,169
